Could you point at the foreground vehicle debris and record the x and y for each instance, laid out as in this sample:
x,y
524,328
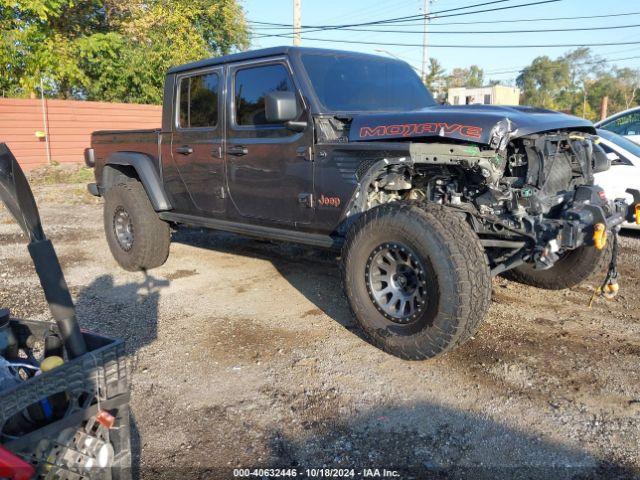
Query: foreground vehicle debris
x,y
64,395
350,151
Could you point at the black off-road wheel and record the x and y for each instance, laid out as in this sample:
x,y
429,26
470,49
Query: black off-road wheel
x,y
137,238
416,277
573,268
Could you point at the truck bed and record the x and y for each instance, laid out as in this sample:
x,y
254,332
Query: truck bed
x,y
105,142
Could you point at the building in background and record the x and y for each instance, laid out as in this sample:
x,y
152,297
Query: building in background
x,y
491,95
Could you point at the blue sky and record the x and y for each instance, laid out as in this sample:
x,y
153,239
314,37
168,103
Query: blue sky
x,y
497,63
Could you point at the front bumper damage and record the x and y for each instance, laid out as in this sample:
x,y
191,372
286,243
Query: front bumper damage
x,y
584,217
589,210
590,221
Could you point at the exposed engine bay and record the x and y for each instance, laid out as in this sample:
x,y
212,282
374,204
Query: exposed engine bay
x,y
529,200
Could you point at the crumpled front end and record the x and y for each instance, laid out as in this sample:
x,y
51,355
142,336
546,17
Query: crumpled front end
x,y
529,197
537,189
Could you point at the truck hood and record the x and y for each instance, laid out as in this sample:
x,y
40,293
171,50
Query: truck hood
x,y
491,125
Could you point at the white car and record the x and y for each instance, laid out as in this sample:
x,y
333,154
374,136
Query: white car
x,y
625,167
625,123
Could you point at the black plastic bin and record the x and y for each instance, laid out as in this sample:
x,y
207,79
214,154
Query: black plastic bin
x,y
94,382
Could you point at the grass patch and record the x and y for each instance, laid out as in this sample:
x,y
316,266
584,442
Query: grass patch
x,y
56,174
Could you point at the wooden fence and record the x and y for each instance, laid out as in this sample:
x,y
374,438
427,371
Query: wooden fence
x,y
24,123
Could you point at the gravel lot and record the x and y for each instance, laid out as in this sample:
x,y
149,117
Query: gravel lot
x,y
244,354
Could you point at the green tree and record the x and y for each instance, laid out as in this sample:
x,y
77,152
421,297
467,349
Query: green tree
x,y
435,77
543,81
471,77
112,50
576,82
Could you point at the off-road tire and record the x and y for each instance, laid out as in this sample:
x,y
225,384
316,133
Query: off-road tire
x,y
151,236
457,276
572,269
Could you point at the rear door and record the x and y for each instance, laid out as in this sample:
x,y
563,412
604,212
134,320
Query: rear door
x,y
269,167
197,142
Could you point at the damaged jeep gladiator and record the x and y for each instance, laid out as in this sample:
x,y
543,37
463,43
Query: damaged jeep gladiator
x,y
344,150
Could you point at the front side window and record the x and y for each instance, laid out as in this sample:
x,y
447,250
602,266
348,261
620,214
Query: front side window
x,y
199,101
252,85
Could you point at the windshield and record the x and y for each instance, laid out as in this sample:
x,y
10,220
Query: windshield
x,y
351,83
622,142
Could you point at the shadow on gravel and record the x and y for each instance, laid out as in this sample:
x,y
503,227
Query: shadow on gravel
x,y
313,272
630,233
129,312
420,441
430,441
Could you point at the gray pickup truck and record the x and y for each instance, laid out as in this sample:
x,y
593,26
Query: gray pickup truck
x,y
350,151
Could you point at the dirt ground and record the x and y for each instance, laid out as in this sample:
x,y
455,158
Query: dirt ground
x,y
244,354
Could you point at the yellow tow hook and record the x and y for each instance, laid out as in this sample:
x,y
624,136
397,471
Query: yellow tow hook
x,y
599,236
609,291
609,288
637,213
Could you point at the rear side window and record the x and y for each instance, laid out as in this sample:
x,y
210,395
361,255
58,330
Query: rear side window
x,y
199,101
252,85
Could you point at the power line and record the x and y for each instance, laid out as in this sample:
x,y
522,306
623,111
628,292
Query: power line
x,y
363,11
484,22
409,17
593,62
312,28
559,45
467,32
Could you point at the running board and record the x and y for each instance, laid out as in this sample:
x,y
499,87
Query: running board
x,y
258,231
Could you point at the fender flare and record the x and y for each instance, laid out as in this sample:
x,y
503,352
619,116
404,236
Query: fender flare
x,y
144,167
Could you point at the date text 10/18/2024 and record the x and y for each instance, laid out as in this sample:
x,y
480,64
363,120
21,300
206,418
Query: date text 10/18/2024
x,y
315,473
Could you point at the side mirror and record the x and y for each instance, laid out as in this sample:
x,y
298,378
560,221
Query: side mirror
x,y
281,107
601,161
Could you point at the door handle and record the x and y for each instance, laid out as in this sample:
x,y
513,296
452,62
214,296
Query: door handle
x,y
238,150
186,150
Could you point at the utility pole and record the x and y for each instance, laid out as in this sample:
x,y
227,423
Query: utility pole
x,y
45,121
425,39
604,107
297,21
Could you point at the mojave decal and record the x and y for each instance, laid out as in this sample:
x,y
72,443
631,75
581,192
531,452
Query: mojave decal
x,y
410,129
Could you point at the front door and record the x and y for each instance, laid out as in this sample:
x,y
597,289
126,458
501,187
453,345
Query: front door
x,y
197,145
269,167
